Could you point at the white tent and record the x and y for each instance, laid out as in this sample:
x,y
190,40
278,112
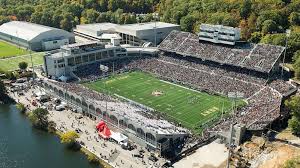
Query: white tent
x,y
40,93
118,137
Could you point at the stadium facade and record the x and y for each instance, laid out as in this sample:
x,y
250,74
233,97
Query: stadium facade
x,y
155,134
34,36
133,34
64,61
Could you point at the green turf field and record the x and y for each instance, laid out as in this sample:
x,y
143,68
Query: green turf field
x,y
12,63
8,50
190,108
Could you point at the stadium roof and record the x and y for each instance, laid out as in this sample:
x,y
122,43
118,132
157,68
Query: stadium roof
x,y
24,30
148,25
258,57
97,26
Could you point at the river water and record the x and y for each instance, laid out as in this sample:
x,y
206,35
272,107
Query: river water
x,y
21,146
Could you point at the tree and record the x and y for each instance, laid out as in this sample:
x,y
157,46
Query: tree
x,y
187,23
296,56
293,104
69,138
4,19
294,124
293,163
68,22
112,5
90,16
273,15
294,18
255,37
23,65
36,17
296,67
21,107
39,118
245,9
102,18
269,26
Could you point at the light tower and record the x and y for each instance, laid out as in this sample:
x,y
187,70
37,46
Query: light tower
x,y
288,32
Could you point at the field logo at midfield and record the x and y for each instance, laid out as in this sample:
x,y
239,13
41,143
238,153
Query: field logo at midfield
x,y
116,79
210,111
157,93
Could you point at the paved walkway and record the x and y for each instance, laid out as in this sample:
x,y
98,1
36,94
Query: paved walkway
x,y
211,155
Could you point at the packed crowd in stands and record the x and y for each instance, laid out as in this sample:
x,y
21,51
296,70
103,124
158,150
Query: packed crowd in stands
x,y
262,109
282,86
264,99
246,76
196,78
259,57
253,77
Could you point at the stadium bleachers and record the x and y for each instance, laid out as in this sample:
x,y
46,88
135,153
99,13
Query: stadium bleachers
x,y
264,98
258,57
216,69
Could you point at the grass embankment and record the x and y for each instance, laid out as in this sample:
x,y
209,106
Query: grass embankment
x,y
94,159
10,50
10,64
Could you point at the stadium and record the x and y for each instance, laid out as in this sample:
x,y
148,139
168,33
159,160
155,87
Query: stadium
x,y
186,92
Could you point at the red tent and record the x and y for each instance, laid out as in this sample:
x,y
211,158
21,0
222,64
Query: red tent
x,y
103,130
100,125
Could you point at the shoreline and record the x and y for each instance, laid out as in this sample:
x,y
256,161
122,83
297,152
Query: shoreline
x,y
83,149
109,154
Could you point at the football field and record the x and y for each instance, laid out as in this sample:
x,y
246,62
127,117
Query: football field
x,y
182,105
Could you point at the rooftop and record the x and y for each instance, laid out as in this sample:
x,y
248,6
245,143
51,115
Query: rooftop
x,y
76,45
24,30
97,26
148,25
115,27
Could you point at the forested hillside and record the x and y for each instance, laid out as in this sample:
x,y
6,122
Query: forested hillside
x,y
260,20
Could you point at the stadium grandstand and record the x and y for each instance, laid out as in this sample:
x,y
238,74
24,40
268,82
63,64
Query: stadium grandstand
x,y
247,69
258,57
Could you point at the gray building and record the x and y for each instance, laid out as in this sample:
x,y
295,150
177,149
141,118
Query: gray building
x,y
133,34
34,36
219,34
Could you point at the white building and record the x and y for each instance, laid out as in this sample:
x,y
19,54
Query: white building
x,y
133,34
219,34
64,61
34,36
